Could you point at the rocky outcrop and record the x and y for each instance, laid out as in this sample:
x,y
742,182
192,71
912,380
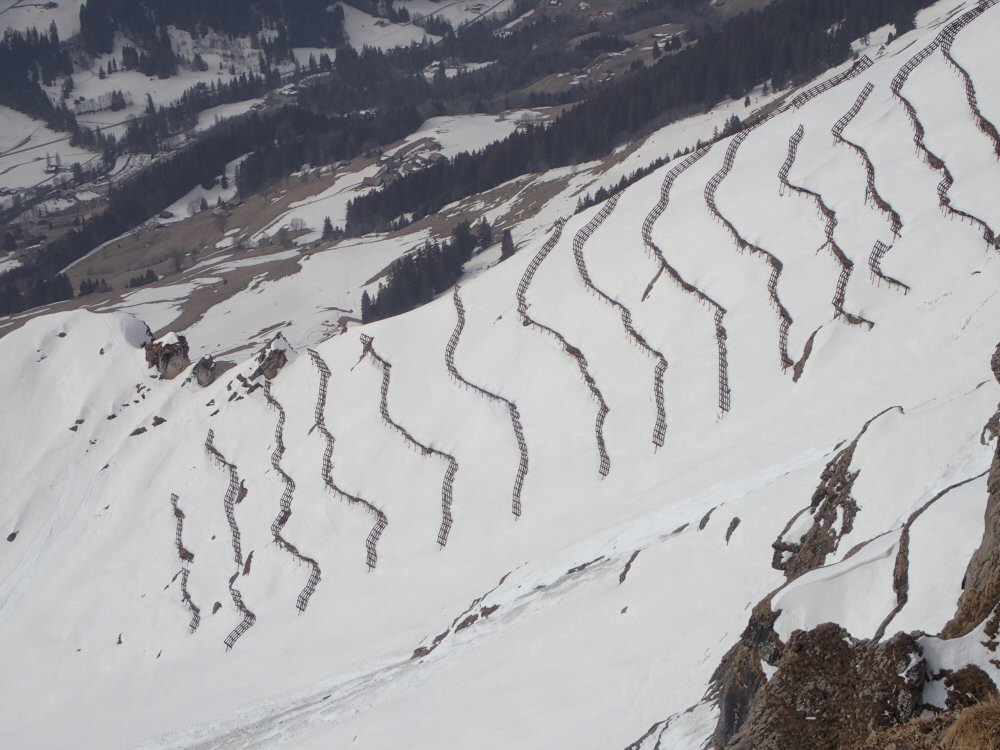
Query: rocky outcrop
x,y
981,586
740,674
169,356
204,372
832,691
272,363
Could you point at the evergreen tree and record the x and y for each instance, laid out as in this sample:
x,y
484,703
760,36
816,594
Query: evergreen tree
x,y
506,245
328,232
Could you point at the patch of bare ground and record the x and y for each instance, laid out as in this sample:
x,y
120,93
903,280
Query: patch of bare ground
x,y
972,727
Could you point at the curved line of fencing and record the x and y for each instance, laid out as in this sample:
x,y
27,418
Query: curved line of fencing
x,y
872,194
302,601
742,244
449,475
936,162
719,312
982,122
576,354
515,416
187,557
579,240
381,520
875,266
249,618
830,219
232,491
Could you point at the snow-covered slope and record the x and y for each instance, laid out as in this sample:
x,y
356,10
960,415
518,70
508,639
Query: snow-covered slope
x,y
537,512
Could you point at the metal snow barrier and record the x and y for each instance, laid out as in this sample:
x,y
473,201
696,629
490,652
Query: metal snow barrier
x,y
982,122
581,238
232,491
381,521
285,512
945,37
719,312
522,307
449,474
830,218
249,618
187,557
744,245
230,499
875,266
511,407
871,192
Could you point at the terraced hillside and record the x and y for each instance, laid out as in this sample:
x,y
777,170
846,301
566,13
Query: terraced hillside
x,y
598,497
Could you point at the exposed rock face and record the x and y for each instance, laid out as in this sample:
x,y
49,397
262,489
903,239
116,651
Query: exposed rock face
x,y
740,674
272,358
832,691
169,356
272,363
833,511
981,594
204,371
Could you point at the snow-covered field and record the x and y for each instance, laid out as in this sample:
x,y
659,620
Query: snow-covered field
x,y
367,31
564,608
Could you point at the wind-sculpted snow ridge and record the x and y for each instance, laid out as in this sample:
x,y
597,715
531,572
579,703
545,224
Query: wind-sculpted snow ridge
x,y
982,122
232,491
286,504
249,618
515,416
935,161
579,240
871,192
901,583
381,520
742,244
449,475
187,557
718,311
576,354
830,218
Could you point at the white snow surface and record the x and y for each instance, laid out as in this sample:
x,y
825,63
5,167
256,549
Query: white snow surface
x,y
606,606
